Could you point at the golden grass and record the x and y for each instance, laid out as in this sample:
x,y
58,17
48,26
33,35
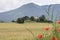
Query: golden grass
x,y
14,31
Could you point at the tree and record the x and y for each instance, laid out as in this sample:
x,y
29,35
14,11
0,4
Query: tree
x,y
1,21
26,18
32,18
20,20
42,18
12,21
38,20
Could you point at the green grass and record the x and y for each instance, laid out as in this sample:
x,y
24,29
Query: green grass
x,y
14,31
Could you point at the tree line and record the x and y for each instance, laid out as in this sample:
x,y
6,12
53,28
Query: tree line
x,y
41,19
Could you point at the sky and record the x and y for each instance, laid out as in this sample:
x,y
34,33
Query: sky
x,y
6,5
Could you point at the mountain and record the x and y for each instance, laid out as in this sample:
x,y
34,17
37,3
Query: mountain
x,y
29,9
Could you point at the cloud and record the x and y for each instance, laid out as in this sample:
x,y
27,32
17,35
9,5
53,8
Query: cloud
x,y
46,2
6,5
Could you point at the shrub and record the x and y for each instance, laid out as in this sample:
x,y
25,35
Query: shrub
x,y
20,20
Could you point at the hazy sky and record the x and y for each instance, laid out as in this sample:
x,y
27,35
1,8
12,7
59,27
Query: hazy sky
x,y
6,5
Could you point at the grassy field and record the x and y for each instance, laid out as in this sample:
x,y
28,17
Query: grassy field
x,y
14,31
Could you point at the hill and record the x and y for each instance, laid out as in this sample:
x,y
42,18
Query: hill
x,y
29,9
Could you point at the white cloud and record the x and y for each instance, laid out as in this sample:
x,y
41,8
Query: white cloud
x,y
46,2
6,5
56,1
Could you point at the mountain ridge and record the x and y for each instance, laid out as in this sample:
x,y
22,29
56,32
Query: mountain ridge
x,y
30,9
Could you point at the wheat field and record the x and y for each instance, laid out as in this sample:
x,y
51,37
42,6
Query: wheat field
x,y
14,31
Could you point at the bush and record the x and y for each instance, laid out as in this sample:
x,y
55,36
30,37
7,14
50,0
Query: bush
x,y
1,21
49,21
32,18
12,21
20,20
25,18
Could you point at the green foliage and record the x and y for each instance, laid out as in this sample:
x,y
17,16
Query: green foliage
x,y
32,18
13,21
1,21
42,18
20,20
38,20
25,18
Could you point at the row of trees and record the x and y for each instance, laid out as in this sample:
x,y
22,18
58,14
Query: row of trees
x,y
38,19
41,19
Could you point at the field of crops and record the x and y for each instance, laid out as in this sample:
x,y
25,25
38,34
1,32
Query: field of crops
x,y
14,31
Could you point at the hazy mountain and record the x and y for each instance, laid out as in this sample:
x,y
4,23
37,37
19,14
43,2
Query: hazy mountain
x,y
29,9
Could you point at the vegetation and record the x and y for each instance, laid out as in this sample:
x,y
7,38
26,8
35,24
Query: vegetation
x,y
45,29
41,19
12,21
14,31
32,18
20,20
1,21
